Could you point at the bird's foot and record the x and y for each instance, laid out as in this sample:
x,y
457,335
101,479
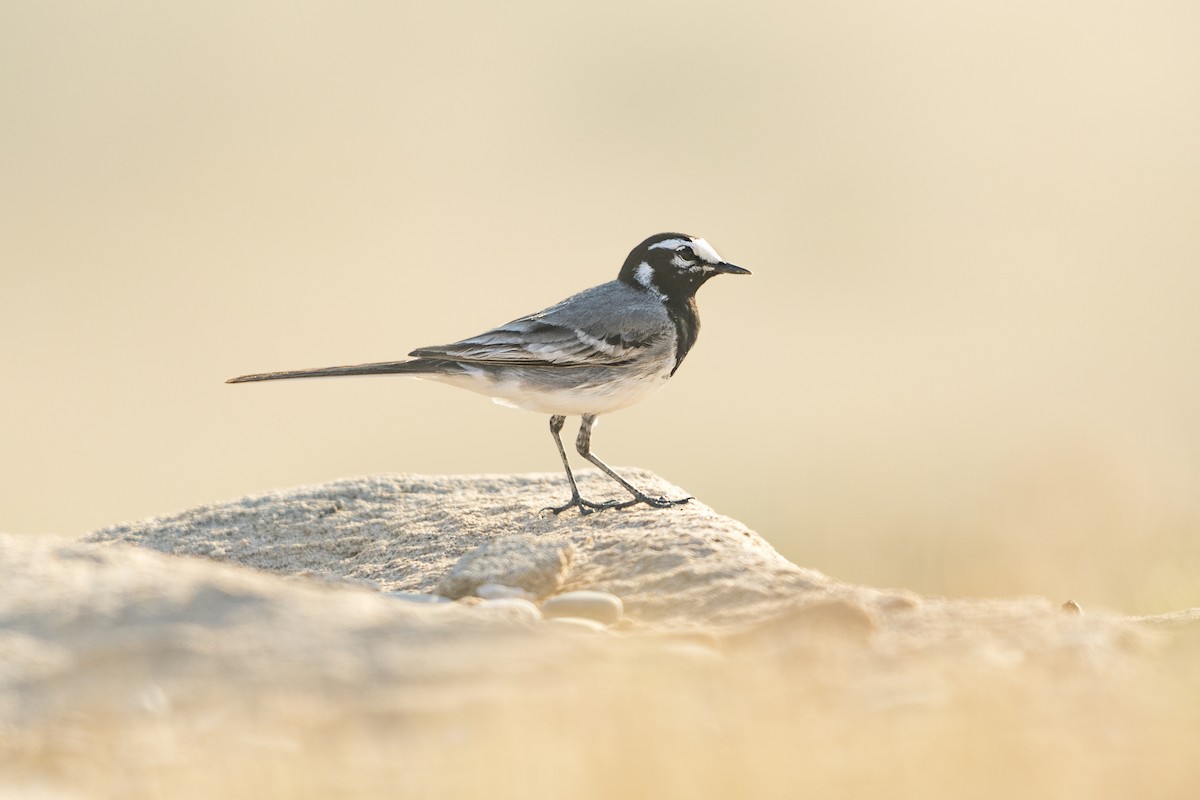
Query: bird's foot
x,y
584,506
662,502
587,506
653,502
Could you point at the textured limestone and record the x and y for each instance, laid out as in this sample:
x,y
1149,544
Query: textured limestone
x,y
520,561
679,567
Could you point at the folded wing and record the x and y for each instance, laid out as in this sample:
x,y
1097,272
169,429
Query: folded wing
x,y
533,341
604,326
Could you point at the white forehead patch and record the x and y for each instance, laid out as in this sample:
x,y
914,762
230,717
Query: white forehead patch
x,y
702,248
705,251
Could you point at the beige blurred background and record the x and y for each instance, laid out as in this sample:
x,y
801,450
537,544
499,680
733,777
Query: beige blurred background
x,y
966,362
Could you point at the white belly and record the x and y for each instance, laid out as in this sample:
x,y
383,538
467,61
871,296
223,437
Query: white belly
x,y
598,396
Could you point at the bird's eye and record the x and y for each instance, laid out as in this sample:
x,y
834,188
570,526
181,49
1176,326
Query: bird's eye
x,y
685,253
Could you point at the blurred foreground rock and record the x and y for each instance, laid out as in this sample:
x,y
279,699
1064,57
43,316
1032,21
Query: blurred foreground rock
x,y
288,638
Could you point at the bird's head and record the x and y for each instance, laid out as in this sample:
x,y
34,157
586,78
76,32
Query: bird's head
x,y
674,265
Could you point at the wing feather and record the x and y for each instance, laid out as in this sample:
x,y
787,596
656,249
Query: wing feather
x,y
571,334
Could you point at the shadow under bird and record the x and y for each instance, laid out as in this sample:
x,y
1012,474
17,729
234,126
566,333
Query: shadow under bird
x,y
598,351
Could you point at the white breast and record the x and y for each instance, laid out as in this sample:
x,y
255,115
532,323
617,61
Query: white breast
x,y
598,391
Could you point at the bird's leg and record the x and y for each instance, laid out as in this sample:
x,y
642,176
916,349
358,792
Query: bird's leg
x,y
584,506
583,443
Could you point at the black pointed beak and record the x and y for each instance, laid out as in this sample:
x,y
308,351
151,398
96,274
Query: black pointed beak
x,y
730,269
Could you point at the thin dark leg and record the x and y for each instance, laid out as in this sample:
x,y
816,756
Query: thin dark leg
x,y
583,443
556,426
584,506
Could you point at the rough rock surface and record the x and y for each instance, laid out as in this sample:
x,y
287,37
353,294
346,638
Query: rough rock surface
x,y
678,567
266,642
520,561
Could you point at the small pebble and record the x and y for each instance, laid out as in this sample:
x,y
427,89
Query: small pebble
x,y
497,591
1071,607
900,601
599,606
577,625
515,608
418,597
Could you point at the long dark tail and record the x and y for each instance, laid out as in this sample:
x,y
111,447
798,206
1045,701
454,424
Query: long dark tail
x,y
416,366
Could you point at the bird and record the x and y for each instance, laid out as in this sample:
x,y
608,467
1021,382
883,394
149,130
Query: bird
x,y
596,352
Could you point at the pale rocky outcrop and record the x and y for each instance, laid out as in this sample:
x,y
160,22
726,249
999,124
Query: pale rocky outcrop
x,y
281,626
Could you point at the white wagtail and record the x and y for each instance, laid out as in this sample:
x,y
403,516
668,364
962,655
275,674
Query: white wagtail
x,y
598,351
